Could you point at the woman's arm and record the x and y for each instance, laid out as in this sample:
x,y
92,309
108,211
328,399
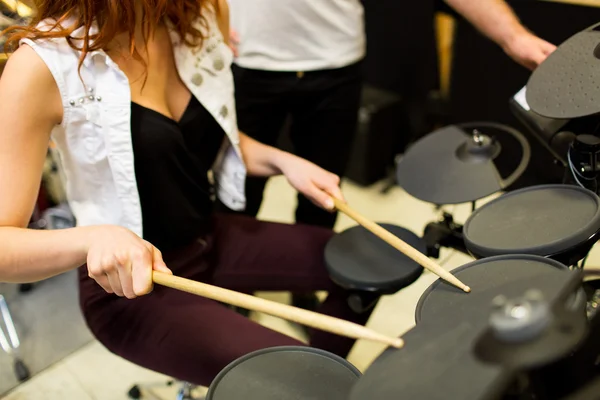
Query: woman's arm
x,y
117,259
309,179
31,106
260,159
496,20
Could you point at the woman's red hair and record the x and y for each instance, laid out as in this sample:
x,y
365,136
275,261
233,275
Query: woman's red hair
x,y
112,17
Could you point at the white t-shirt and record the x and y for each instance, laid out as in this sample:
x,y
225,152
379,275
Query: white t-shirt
x,y
298,35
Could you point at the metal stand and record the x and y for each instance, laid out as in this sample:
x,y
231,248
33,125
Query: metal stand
x,y
185,392
361,302
9,341
444,233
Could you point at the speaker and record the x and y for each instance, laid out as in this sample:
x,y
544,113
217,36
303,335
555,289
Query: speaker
x,y
381,133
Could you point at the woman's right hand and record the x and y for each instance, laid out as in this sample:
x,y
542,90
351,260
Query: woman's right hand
x,y
121,262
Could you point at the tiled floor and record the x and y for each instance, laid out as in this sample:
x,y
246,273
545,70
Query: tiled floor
x,y
94,373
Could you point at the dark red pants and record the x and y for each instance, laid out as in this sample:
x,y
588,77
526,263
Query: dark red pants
x,y
192,338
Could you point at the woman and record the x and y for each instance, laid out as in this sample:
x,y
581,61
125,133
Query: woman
x,y
138,97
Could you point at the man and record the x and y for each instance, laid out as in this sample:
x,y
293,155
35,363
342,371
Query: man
x,y
302,59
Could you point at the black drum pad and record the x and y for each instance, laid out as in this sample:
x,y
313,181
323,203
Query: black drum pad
x,y
543,220
357,259
285,373
439,360
509,276
567,84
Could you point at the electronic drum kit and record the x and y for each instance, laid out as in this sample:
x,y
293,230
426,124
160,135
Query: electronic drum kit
x,y
528,328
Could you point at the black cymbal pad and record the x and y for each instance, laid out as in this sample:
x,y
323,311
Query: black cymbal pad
x,y
567,84
448,166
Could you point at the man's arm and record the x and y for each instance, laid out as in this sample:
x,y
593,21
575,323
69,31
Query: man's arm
x,y
496,20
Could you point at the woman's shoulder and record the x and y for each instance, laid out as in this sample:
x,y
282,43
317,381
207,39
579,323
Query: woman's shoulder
x,y
26,74
29,62
50,25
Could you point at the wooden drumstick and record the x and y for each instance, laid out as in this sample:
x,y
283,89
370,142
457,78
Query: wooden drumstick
x,y
401,245
304,317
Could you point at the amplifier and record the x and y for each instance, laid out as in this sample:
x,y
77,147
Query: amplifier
x,y
383,131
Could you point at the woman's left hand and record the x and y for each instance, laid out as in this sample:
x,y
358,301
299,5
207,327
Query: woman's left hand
x,y
317,184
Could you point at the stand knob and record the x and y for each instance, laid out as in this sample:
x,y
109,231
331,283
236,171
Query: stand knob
x,y
521,319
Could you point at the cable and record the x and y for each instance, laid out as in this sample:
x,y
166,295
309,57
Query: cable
x,y
573,172
584,260
576,174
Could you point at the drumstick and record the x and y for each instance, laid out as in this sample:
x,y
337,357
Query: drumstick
x,y
400,245
294,314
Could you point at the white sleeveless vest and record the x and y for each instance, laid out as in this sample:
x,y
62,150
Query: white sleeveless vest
x,y
94,138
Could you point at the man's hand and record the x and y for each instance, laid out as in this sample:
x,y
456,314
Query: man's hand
x,y
496,20
234,41
528,50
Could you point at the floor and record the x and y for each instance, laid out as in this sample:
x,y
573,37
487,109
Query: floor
x,y
92,373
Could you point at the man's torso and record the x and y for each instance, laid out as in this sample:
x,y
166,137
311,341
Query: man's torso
x,y
298,35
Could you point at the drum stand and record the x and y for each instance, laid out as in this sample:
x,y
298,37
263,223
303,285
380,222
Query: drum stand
x,y
449,234
185,392
444,233
9,341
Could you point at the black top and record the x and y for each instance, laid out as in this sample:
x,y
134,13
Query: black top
x,y
172,160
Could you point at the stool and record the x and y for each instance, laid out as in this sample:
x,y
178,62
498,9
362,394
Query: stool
x,y
185,391
368,267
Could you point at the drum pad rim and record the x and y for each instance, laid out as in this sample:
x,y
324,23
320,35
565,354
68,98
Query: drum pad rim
x,y
343,281
503,257
278,349
575,239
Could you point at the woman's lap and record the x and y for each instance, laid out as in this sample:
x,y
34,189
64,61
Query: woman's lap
x,y
193,338
181,335
257,255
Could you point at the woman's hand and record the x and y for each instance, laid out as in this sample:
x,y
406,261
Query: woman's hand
x,y
314,182
121,262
